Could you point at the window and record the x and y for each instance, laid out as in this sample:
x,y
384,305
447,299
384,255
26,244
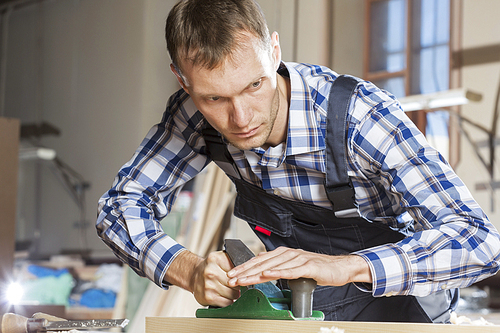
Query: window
x,y
408,53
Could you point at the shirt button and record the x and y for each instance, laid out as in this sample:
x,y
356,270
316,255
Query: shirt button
x,y
443,287
391,293
276,191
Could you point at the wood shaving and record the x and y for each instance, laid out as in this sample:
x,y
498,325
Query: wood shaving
x,y
463,320
76,331
331,330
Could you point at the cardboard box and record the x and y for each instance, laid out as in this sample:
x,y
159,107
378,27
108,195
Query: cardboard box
x,y
9,160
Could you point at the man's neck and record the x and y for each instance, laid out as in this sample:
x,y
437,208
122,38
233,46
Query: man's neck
x,y
281,123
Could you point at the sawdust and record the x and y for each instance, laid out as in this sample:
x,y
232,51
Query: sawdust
x,y
78,331
331,330
75,331
463,320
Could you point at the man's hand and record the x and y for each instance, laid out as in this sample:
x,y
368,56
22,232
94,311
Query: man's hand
x,y
286,263
206,278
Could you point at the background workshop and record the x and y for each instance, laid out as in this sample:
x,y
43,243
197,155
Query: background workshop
x,y
82,81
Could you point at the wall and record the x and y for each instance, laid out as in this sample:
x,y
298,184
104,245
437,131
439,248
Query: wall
x,y
303,26
98,71
482,74
348,36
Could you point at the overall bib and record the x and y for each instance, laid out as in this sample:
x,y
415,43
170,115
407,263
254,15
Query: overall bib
x,y
281,222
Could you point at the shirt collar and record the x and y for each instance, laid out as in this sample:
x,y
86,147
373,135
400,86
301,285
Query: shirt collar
x,y
304,132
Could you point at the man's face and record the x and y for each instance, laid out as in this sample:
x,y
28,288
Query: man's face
x,y
239,98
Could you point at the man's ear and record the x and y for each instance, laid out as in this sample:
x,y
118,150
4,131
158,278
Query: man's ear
x,y
276,49
179,77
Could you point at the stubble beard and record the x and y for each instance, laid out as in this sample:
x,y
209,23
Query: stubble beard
x,y
262,139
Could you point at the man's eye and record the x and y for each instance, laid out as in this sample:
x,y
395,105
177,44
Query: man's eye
x,y
214,98
256,84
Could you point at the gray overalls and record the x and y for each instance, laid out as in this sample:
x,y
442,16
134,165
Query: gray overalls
x,y
281,222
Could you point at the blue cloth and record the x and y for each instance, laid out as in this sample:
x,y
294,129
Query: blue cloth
x,y
40,271
399,180
98,298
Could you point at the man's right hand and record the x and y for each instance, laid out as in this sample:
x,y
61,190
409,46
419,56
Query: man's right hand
x,y
206,278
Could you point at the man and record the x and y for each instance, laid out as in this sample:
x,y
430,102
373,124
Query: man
x,y
409,230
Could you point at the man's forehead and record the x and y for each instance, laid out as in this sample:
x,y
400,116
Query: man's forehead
x,y
241,69
243,43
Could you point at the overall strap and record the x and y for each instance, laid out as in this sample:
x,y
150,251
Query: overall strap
x,y
217,151
338,186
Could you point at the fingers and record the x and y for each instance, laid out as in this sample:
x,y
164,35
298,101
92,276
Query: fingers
x,y
216,281
283,263
211,281
286,263
214,293
264,261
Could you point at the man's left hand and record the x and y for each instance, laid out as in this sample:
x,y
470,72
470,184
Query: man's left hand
x,y
287,263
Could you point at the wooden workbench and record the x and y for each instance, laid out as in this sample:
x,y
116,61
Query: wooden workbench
x,y
202,325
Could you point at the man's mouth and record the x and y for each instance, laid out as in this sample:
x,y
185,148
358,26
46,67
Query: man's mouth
x,y
247,134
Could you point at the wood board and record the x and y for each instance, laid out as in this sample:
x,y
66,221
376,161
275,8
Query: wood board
x,y
196,325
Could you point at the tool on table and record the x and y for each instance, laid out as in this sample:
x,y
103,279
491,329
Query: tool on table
x,y
265,300
13,323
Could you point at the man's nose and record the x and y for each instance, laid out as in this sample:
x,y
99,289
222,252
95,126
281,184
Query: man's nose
x,y
241,114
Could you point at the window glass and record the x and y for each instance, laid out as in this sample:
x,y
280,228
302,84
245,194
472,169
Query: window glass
x,y
431,70
434,70
387,36
430,46
395,86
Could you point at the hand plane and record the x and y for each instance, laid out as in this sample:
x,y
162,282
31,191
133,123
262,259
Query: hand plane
x,y
265,300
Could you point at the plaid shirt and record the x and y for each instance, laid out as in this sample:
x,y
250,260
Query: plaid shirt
x,y
398,178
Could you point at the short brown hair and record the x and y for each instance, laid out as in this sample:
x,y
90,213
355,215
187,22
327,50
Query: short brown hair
x,y
206,30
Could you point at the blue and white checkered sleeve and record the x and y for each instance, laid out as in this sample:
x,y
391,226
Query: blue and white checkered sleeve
x,y
143,193
453,244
